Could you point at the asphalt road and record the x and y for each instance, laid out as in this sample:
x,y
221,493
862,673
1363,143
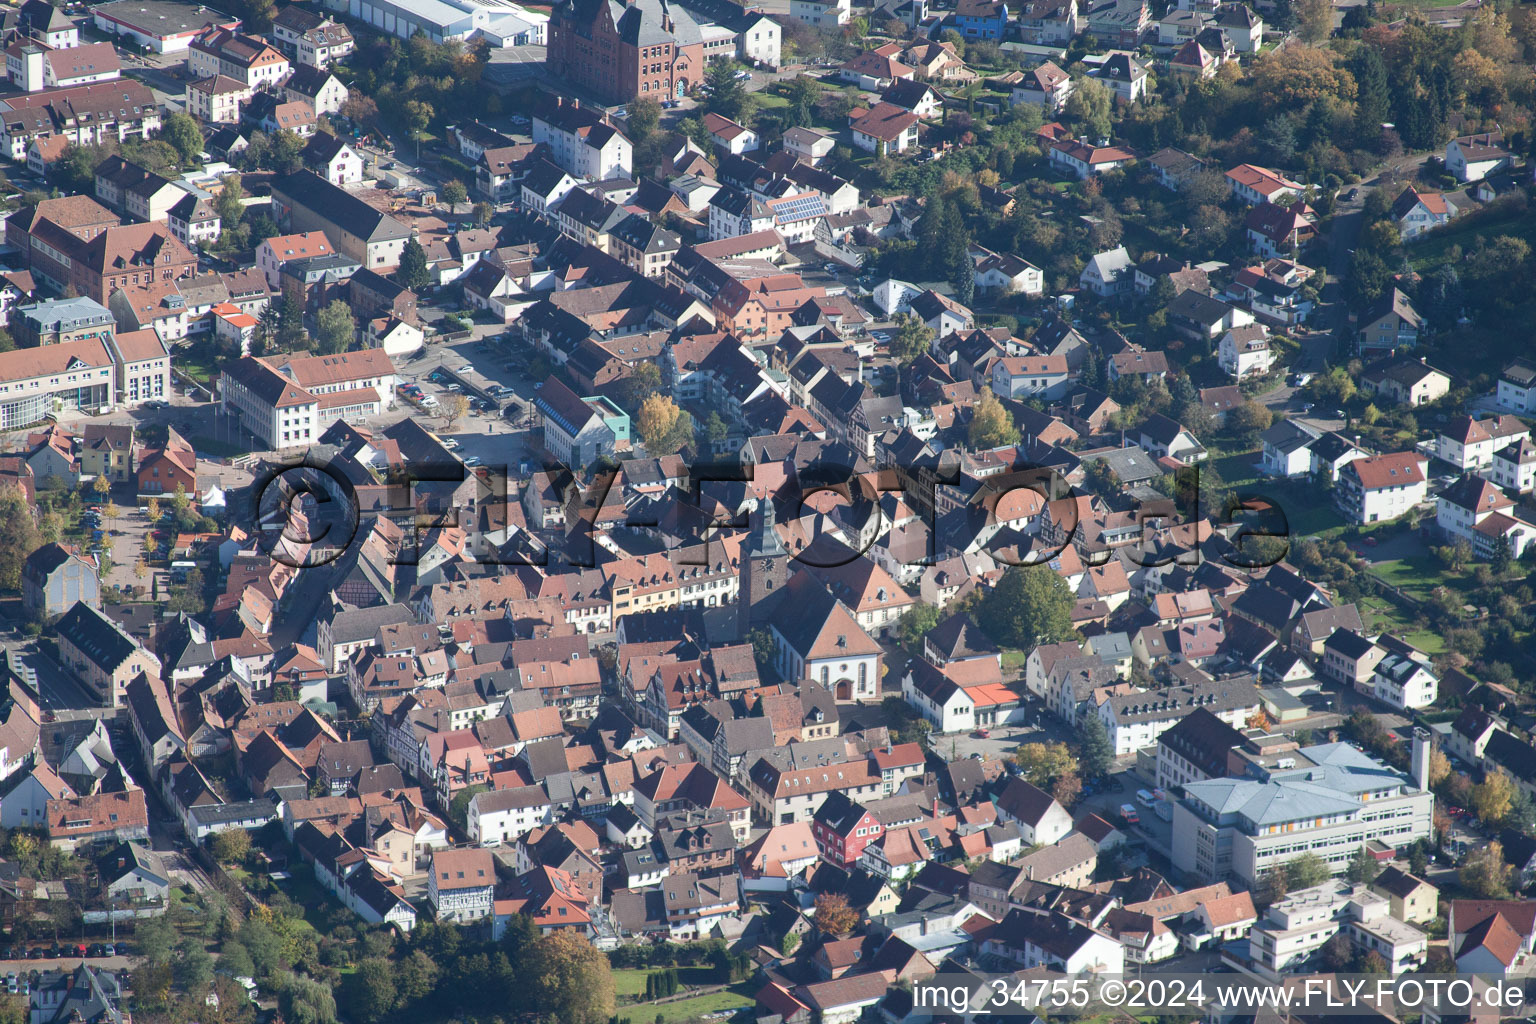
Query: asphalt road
x,y
57,688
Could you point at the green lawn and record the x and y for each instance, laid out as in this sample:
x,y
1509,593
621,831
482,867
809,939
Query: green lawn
x,y
630,981
685,1010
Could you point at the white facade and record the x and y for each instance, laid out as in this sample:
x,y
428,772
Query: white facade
x,y
607,157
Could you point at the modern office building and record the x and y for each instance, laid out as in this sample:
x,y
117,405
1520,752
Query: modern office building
x,y
1328,800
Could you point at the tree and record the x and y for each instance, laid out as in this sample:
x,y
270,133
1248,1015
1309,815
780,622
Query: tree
x,y
182,132
413,272
1486,874
194,968
728,94
833,914
911,340
418,115
1095,754
1296,76
663,427
156,939
917,621
231,845
483,213
1250,419
230,205
335,328
19,536
1090,105
458,810
455,408
1030,605
1337,953
644,116
455,193
360,107
1306,870
715,428
643,381
1042,764
991,424
370,992
1363,868
1493,797
568,979
1314,19
1502,558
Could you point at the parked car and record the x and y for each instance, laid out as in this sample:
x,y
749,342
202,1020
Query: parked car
x,y
473,461
1129,815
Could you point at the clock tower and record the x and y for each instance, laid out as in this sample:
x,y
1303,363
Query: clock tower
x,y
764,567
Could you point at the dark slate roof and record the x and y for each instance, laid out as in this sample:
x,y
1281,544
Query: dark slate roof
x,y
340,207
96,636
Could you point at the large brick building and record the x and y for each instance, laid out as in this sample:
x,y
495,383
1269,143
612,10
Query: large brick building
x,y
74,242
619,50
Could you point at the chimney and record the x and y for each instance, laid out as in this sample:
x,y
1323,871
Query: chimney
x,y
1421,750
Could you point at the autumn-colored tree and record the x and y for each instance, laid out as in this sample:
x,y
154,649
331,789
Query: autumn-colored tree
x,y
1043,763
991,424
1260,720
1486,874
1439,768
569,979
1291,78
834,915
152,509
455,408
1493,797
230,845
663,427
19,536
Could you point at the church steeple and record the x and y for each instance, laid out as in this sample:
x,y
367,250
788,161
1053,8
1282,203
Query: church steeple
x,y
764,567
765,542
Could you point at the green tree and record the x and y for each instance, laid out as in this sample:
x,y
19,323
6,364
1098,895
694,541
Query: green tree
x,y
335,329
7,343
182,132
644,116
194,967
715,428
483,213
156,939
1306,870
230,205
728,95
911,339
1502,559
370,992
991,424
1363,868
917,621
458,810
455,193
413,272
1030,605
1094,752
1090,105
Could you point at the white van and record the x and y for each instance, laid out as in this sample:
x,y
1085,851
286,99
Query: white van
x,y
1145,797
